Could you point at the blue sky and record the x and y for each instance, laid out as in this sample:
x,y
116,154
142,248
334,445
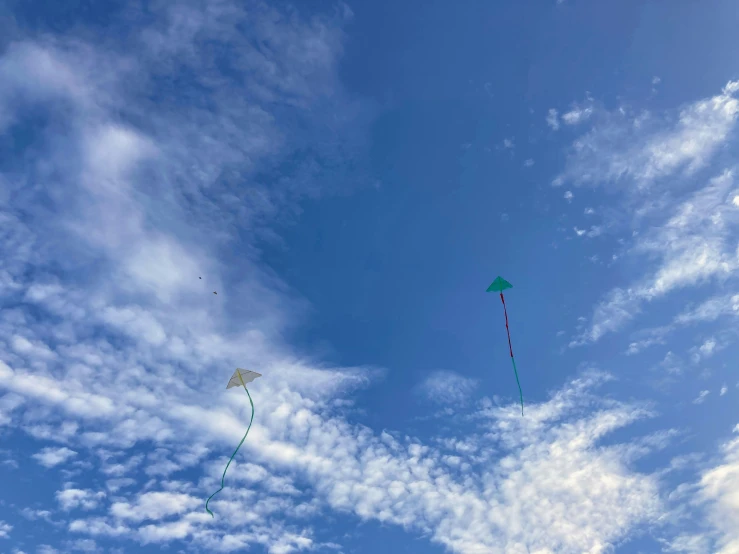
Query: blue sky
x,y
350,177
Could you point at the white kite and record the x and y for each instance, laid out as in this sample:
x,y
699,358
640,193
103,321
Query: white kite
x,y
240,378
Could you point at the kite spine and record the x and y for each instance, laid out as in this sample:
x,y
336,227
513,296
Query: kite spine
x,y
223,478
510,349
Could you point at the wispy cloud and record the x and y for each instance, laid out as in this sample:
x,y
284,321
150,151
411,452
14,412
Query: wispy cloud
x,y
712,309
701,397
688,544
594,231
579,113
715,493
692,246
653,337
639,150
447,387
553,119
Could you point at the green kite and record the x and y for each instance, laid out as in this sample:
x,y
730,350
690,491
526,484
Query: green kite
x,y
240,378
499,285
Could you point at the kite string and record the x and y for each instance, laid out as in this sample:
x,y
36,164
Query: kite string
x,y
223,478
510,348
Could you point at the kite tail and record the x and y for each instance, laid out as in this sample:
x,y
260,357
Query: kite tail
x,y
234,454
520,392
510,349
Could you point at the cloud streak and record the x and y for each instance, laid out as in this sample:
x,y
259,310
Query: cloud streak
x,y
693,246
636,151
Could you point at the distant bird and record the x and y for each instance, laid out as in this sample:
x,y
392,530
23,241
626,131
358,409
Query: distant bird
x,y
214,292
199,277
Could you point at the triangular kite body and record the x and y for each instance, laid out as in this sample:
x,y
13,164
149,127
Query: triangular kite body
x,y
242,377
499,285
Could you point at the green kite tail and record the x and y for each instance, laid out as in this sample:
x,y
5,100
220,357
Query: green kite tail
x,y
499,285
223,478
520,392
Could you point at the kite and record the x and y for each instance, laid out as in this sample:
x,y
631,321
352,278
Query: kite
x,y
240,378
499,285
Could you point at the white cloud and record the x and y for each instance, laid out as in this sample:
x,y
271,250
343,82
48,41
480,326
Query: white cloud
x,y
154,505
552,119
707,348
447,387
71,498
637,151
701,397
577,115
723,305
508,143
9,403
568,195
528,163
5,529
672,364
693,245
594,231
654,337
711,310
719,493
724,390
690,544
50,457
85,545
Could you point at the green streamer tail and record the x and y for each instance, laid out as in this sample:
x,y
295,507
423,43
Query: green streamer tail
x,y
234,454
520,392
